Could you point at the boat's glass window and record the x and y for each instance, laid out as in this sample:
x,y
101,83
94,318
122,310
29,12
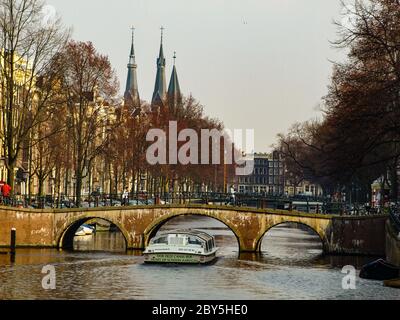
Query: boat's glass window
x,y
207,248
194,240
160,240
175,240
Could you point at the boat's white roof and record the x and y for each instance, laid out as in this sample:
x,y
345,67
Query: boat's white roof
x,y
200,234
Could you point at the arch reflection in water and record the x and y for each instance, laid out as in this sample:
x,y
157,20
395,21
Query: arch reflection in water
x,y
107,237
292,243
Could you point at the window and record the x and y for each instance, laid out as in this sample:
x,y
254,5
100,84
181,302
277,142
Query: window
x,y
175,240
160,240
193,240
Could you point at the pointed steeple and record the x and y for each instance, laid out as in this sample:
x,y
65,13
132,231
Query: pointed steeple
x,y
160,88
174,90
131,94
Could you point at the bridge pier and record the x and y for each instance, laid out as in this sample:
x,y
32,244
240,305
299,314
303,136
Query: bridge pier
x,y
249,245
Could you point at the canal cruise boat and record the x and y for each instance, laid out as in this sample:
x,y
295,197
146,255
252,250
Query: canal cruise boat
x,y
181,246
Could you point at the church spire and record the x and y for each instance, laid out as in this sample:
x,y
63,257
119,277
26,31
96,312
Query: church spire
x,y
159,94
131,95
174,90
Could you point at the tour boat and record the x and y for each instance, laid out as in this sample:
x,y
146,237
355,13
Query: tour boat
x,y
181,246
84,230
99,225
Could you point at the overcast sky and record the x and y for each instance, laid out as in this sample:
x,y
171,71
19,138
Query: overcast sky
x,y
259,64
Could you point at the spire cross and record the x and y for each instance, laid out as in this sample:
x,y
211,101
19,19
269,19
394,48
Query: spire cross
x,y
162,32
133,33
174,57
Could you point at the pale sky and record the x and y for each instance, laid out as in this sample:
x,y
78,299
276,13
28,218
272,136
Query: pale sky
x,y
254,64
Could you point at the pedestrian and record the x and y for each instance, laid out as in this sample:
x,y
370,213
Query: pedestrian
x,y
233,198
6,190
125,197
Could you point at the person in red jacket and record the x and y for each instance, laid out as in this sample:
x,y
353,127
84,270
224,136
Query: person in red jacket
x,y
6,190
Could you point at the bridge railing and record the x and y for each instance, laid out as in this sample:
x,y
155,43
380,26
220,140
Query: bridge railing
x,y
95,199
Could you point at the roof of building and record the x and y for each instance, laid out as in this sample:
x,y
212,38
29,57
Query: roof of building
x,y
131,94
174,90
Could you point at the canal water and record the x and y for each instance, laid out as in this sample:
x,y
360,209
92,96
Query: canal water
x,y
291,266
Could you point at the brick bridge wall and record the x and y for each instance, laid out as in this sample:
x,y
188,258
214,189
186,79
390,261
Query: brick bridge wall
x,y
56,228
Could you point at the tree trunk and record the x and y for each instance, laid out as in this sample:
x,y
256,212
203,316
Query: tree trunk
x,y
40,182
11,177
78,187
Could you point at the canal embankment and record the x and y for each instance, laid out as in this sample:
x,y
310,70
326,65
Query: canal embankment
x,y
392,243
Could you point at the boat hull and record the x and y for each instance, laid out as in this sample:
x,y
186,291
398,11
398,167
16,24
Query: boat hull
x,y
181,258
379,270
393,283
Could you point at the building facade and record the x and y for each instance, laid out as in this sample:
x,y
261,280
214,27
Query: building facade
x,y
271,178
268,177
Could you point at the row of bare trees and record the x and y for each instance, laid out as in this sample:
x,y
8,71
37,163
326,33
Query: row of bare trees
x,y
127,150
357,141
61,117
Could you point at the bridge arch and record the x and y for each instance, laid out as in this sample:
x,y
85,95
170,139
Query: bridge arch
x,y
320,234
66,235
156,225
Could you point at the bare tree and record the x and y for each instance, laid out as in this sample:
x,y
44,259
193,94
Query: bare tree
x,y
28,44
90,85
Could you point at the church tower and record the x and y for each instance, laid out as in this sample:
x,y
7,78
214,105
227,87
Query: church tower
x,y
131,95
174,91
159,95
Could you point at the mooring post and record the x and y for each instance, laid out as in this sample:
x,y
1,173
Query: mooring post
x,y
13,240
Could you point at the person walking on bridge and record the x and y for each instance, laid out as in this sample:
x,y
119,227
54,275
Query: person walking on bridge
x,y
233,197
125,197
6,191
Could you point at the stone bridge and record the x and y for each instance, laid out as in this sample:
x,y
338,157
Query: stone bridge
x,y
56,228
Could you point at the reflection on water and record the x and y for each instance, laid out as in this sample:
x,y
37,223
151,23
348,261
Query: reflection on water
x,y
101,241
291,266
